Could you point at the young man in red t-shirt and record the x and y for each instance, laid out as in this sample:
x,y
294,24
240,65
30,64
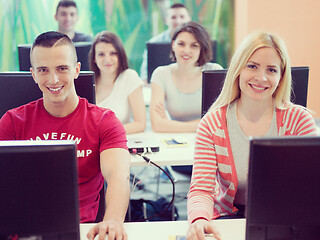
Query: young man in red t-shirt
x,y
62,115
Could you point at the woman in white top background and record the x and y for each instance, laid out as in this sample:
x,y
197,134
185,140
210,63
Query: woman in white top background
x,y
177,88
117,87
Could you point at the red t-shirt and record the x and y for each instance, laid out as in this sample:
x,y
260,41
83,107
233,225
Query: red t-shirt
x,y
94,129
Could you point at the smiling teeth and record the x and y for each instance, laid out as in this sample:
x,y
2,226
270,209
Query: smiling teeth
x,y
258,88
55,89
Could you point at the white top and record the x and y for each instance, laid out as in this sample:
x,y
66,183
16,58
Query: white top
x,y
181,106
118,101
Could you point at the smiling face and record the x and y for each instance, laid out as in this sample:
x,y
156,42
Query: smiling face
x,y
54,70
67,17
186,49
177,16
106,58
261,75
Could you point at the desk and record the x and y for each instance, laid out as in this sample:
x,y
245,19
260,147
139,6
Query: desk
x,y
233,229
167,156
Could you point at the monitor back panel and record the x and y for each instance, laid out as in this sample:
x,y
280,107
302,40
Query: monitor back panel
x,y
159,55
39,191
19,88
213,80
300,80
24,57
282,188
82,49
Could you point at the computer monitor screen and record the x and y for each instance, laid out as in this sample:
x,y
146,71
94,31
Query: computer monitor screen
x,y
283,189
39,190
19,88
82,49
212,82
159,55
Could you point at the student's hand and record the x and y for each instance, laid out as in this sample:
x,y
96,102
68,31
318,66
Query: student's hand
x,y
198,229
161,110
114,230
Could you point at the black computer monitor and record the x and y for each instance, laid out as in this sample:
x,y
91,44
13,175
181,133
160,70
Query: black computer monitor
x,y
39,190
212,82
82,49
19,88
159,55
300,80
283,189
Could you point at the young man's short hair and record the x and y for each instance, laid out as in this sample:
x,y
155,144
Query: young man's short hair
x,y
178,5
52,39
66,3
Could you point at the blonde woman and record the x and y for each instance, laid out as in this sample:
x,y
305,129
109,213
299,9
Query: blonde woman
x,y
254,101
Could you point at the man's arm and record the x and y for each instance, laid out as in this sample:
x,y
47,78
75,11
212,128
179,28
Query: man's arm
x,y
115,167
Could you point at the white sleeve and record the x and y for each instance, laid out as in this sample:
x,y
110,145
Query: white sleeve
x,y
160,75
132,80
212,66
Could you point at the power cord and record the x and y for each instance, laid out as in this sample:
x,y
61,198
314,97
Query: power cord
x,y
135,181
148,150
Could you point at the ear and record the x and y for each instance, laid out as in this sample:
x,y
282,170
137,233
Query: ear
x,y
33,75
78,66
55,16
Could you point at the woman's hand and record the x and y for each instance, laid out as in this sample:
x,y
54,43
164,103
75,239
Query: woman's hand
x,y
199,228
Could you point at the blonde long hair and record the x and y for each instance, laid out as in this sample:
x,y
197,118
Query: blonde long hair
x,y
231,90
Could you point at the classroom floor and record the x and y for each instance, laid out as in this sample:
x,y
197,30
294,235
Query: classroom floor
x,y
153,186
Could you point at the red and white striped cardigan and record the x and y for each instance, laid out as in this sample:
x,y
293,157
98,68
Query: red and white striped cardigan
x,y
214,179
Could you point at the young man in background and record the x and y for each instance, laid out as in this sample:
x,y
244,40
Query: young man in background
x,y
176,15
67,18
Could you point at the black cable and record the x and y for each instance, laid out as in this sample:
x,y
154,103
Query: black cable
x,y
173,190
135,182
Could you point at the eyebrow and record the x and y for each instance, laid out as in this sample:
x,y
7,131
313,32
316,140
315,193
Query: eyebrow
x,y
63,66
60,66
250,61
41,67
180,40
